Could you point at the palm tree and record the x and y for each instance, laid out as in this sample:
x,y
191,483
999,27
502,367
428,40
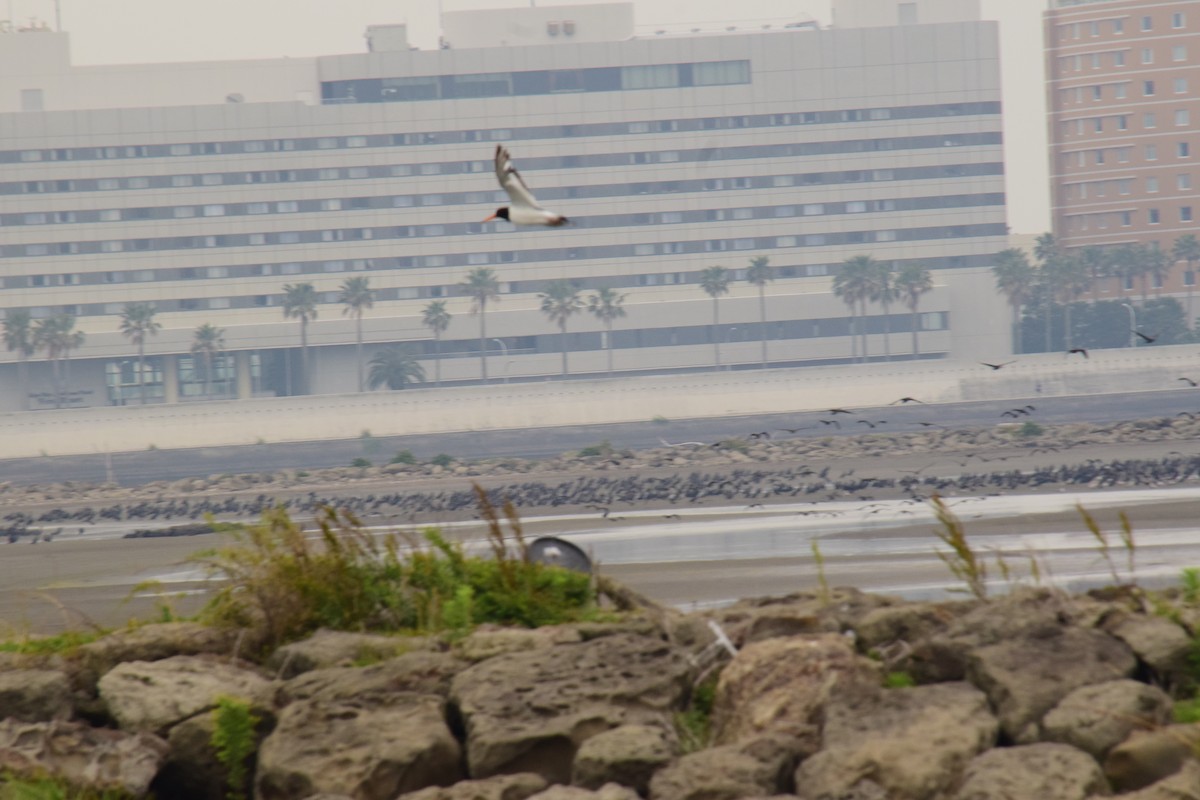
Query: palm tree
x,y
758,275
1095,262
207,342
911,282
1049,255
605,305
357,297
1125,261
437,319
58,336
1071,281
853,284
715,282
1187,249
300,302
881,290
137,322
19,336
481,285
1157,265
1014,278
395,368
560,302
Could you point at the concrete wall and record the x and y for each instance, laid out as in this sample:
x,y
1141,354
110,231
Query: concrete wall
x,y
536,405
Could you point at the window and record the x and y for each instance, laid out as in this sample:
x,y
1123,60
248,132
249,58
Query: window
x,y
1182,117
356,141
1097,93
1180,85
183,212
110,215
1126,218
1147,23
258,208
1148,88
1119,58
1179,52
180,150
1177,19
1095,61
856,207
1183,150
137,183
182,180
1098,125
215,210
1123,122
814,209
331,204
1099,156
907,13
1118,26
111,247
651,77
289,237
1151,185
1183,181
1147,55
1151,152
357,172
1153,216
1149,120
1185,213
286,206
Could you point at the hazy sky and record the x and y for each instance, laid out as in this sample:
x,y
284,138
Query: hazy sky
x,y
125,31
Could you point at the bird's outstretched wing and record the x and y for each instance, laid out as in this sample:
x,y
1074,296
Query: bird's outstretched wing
x,y
511,182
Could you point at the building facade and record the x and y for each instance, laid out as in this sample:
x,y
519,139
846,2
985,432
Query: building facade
x,y
1123,82
204,189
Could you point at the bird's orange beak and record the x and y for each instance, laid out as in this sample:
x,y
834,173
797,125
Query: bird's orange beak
x,y
489,219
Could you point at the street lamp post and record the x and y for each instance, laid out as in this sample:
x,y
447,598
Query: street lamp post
x,y
1132,324
503,347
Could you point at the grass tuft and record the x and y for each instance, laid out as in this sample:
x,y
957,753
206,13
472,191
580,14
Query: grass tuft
x,y
964,563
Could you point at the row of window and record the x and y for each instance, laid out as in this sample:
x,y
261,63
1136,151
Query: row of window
x,y
1121,155
359,203
442,137
1119,90
1076,30
1122,219
1181,117
692,216
1116,58
536,82
1122,186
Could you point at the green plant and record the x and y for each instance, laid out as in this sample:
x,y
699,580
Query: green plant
x,y
1127,542
964,563
24,787
1186,712
659,419
152,446
260,440
822,582
234,741
603,448
369,443
301,473
739,445
1030,429
1190,580
441,460
898,680
694,724
403,457
361,462
64,642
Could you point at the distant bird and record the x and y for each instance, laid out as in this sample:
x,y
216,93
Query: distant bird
x,y
1079,350
929,425
760,435
794,430
1144,337
906,400
1189,381
997,366
523,208
833,422
839,411
865,422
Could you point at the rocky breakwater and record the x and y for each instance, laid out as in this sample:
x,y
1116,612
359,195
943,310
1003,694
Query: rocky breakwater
x,y
1038,695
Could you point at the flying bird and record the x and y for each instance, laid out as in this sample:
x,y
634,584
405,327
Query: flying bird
x,y
839,411
1079,350
830,422
1190,382
997,366
1144,337
903,400
523,208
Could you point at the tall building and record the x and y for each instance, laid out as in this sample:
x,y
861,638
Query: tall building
x,y
1123,78
205,188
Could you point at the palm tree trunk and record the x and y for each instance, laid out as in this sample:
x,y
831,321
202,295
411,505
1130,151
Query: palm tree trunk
x,y
141,374
562,338
1049,323
437,358
483,342
287,370
358,349
762,322
916,321
887,333
23,379
304,384
208,371
863,315
716,334
608,346
853,333
1067,325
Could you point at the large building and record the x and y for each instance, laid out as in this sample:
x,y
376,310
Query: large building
x,y
1123,78
205,188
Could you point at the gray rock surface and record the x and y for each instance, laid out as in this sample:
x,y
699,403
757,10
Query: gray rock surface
x,y
498,787
912,743
610,791
489,642
376,750
1182,785
1096,718
798,614
154,695
1027,676
421,671
1158,642
1149,756
1044,771
94,758
627,755
157,641
327,648
754,768
530,711
35,695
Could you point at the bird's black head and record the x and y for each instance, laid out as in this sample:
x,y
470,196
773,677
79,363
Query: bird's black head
x,y
501,213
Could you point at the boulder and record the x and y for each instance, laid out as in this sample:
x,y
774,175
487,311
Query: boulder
x,y
1149,756
35,695
1027,676
192,770
373,750
529,711
1043,771
907,622
489,642
609,791
158,641
627,755
422,671
1159,643
1096,718
912,743
797,614
327,648
755,768
152,696
782,685
91,758
1183,785
498,787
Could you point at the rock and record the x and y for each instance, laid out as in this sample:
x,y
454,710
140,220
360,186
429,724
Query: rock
x,y
485,643
796,614
91,758
1044,771
192,770
422,672
530,711
1149,756
154,695
498,787
782,685
1026,677
158,641
609,791
1158,643
1183,785
375,750
1096,718
35,695
907,622
754,768
627,755
912,743
327,648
